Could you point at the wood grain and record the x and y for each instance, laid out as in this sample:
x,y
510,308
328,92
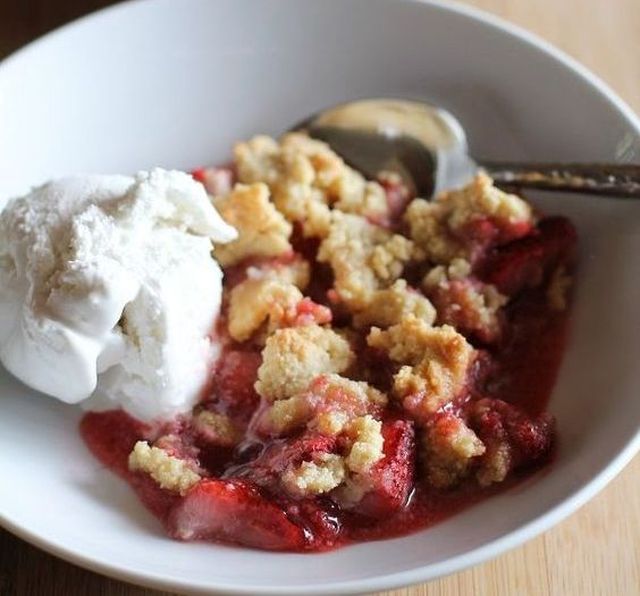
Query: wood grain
x,y
594,552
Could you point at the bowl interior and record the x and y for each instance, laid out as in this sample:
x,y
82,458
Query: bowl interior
x,y
174,84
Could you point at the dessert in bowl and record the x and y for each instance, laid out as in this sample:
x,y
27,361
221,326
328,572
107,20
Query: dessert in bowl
x,y
370,363
477,525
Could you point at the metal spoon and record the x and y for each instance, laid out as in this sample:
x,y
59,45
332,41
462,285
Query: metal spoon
x,y
427,147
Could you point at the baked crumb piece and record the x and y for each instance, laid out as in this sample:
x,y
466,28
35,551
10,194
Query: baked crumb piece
x,y
216,428
449,447
390,306
469,305
324,473
170,472
325,406
255,302
435,363
558,289
306,178
295,270
460,222
364,258
262,230
495,464
366,450
330,423
293,357
366,438
348,477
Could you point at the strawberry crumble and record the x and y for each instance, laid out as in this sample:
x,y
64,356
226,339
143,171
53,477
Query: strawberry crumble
x,y
385,360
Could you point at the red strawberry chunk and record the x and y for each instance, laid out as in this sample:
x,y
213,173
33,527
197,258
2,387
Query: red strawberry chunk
x,y
529,439
233,511
525,262
233,381
392,477
319,517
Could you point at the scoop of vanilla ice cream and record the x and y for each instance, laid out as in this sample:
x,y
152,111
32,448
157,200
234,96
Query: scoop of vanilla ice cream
x,y
109,291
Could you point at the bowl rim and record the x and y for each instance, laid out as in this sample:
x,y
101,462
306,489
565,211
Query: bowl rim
x,y
420,574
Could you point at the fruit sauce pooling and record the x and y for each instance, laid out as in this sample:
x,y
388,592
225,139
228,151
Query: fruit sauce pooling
x,y
239,504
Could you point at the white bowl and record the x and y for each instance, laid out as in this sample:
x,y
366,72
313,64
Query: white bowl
x,y
168,83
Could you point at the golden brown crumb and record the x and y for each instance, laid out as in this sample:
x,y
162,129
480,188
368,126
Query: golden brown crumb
x,y
168,471
435,362
468,305
216,428
449,447
367,449
495,464
326,405
367,442
256,301
296,272
262,230
323,474
306,178
364,258
436,225
293,357
390,306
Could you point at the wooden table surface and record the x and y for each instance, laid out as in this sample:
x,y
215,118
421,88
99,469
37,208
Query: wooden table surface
x,y
594,552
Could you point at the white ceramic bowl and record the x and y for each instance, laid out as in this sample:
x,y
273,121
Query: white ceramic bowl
x,y
159,82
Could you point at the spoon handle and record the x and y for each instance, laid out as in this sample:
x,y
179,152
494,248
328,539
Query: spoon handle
x,y
621,180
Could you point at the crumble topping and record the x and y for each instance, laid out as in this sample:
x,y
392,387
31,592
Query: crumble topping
x,y
170,472
328,471
216,428
435,362
326,406
366,449
364,258
262,230
495,465
445,228
390,306
296,271
469,305
323,474
306,178
293,357
449,447
256,301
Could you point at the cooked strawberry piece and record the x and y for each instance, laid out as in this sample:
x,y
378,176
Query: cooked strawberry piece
x,y
528,439
525,262
319,517
233,380
111,436
392,477
233,511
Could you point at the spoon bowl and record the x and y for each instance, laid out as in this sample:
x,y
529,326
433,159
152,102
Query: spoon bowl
x,y
427,146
